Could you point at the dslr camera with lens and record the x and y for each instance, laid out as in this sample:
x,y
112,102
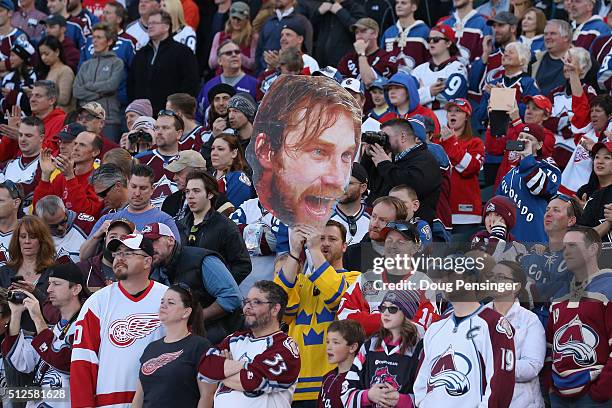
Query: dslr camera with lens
x,y
372,137
16,297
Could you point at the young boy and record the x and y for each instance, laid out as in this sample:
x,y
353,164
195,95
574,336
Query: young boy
x,y
344,338
410,198
377,93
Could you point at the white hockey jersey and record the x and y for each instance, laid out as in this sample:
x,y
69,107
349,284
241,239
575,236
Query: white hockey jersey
x,y
467,364
5,240
186,36
112,331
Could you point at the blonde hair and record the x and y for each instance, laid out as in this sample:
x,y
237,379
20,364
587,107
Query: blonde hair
x,y
583,57
175,9
242,37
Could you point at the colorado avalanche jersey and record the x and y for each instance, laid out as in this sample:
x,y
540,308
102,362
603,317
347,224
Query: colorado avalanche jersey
x,y
470,32
5,240
548,270
192,140
604,75
163,186
6,44
25,171
467,363
380,61
579,339
78,228
407,46
270,374
112,331
585,33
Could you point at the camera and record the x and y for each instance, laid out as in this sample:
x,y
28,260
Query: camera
x,y
140,136
16,297
515,145
371,137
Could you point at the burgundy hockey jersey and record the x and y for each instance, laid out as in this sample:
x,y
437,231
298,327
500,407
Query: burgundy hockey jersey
x,y
192,140
163,186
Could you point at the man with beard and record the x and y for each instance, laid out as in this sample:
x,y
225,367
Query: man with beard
x,y
350,210
241,109
205,274
68,228
205,227
98,269
314,290
257,367
85,18
114,327
306,136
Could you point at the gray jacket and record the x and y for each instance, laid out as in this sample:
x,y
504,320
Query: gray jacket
x,y
97,81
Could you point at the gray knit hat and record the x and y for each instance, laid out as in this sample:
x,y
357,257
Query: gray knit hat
x,y
406,300
140,106
244,103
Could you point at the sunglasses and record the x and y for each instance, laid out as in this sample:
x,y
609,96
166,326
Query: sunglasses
x,y
565,198
407,228
62,223
458,102
171,113
12,188
435,40
390,309
87,117
103,194
231,52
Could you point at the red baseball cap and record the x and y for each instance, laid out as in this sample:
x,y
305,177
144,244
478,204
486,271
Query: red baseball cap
x,y
597,146
541,102
534,130
448,31
157,230
461,104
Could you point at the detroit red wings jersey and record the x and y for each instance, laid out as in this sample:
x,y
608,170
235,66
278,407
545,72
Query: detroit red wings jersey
x,y
112,331
269,377
467,364
192,140
579,339
163,186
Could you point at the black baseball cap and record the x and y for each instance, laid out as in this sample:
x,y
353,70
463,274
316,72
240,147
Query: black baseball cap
x,y
71,131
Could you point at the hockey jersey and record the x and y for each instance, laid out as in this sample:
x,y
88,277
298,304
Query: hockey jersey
x,y
356,225
548,270
481,74
237,187
331,388
6,44
467,362
78,228
163,186
5,240
407,46
138,31
26,171
579,339
470,32
536,43
585,33
309,316
270,374
385,364
113,329
48,355
604,75
192,140
186,36
530,185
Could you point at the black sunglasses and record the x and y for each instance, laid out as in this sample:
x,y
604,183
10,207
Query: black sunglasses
x,y
406,228
62,223
103,194
168,112
390,309
12,188
564,197
436,40
231,52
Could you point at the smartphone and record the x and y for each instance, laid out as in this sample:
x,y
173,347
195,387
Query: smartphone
x,y
442,80
15,279
515,145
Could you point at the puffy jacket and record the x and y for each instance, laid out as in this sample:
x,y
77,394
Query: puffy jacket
x,y
218,233
98,80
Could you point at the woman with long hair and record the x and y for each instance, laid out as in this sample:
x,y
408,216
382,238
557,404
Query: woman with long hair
x,y
529,336
385,368
444,76
182,33
174,383
230,169
238,28
54,68
466,153
16,85
601,176
532,29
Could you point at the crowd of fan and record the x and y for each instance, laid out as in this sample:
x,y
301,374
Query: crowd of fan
x,y
123,137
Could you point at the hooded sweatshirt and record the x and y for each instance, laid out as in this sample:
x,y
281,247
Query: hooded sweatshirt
x,y
414,103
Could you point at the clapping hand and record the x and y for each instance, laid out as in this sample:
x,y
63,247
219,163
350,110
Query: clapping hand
x,y
65,164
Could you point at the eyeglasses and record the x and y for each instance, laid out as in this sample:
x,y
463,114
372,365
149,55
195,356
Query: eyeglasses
x,y
390,309
86,116
126,254
253,302
168,112
436,40
565,198
55,227
12,188
231,52
405,227
103,194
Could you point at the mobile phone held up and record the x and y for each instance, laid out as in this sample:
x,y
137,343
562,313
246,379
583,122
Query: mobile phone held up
x,y
515,145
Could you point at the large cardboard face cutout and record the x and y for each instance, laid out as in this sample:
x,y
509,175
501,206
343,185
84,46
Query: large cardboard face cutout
x,y
305,136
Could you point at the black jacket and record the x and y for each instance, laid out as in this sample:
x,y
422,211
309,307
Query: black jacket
x,y
218,233
185,266
156,75
418,169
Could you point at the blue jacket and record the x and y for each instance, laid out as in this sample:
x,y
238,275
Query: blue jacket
x,y
412,88
530,185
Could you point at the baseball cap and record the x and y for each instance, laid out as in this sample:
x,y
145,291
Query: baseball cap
x,y
353,85
95,109
329,72
359,172
71,131
69,272
406,228
366,22
597,146
7,4
379,83
503,17
55,19
132,241
541,102
187,158
430,126
157,230
418,128
295,26
240,10
462,104
23,48
448,32
125,222
534,130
